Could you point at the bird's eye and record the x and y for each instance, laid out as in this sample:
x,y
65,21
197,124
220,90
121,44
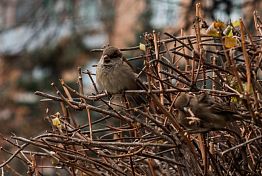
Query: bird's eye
x,y
116,54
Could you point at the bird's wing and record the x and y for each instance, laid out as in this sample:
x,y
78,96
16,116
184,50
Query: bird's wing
x,y
216,106
221,108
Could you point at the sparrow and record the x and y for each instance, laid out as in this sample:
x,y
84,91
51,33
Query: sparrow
x,y
182,104
204,111
114,74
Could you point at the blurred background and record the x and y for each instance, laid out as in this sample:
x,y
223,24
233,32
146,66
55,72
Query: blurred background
x,y
44,40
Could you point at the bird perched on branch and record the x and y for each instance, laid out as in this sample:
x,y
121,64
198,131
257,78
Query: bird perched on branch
x,y
114,74
203,111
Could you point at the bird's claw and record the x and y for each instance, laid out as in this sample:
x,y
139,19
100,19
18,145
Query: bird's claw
x,y
193,120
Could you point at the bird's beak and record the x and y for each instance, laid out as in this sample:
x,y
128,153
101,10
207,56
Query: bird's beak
x,y
185,109
106,59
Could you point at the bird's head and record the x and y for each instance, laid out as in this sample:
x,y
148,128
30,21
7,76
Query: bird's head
x,y
111,55
182,101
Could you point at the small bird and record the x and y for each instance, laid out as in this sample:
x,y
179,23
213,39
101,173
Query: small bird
x,y
114,74
203,111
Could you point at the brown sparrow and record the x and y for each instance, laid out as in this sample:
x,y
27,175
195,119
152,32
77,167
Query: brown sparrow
x,y
114,74
203,111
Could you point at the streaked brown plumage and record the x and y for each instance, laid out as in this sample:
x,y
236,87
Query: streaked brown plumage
x,y
208,112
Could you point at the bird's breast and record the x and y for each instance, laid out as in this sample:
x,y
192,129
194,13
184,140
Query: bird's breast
x,y
117,78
